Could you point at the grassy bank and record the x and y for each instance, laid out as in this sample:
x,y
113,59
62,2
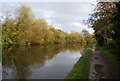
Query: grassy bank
x,y
112,60
81,68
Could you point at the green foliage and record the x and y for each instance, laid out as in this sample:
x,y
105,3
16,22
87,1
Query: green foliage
x,y
105,21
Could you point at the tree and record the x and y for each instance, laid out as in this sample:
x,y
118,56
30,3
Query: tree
x,y
88,36
115,20
24,23
23,29
105,21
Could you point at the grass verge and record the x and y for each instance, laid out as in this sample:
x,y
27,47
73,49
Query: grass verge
x,y
81,68
112,60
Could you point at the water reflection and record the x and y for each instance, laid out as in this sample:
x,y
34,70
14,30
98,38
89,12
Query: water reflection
x,y
40,62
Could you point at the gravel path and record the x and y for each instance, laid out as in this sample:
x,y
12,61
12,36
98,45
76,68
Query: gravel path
x,y
98,66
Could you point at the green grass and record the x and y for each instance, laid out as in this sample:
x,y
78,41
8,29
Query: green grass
x,y
81,68
112,60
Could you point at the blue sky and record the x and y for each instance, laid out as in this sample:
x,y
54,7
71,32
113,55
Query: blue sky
x,y
67,16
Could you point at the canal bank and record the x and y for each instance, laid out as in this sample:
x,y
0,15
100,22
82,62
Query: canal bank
x,y
95,63
81,68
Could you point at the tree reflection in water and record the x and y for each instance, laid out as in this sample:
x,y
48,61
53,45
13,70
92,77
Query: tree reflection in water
x,y
20,60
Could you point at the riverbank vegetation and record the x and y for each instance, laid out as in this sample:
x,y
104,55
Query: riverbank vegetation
x,y
81,68
24,29
105,20
112,60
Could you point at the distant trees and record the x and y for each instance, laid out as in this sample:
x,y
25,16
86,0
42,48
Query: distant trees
x,y
76,38
23,29
88,37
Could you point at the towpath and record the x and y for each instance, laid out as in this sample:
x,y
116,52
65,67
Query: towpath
x,y
98,66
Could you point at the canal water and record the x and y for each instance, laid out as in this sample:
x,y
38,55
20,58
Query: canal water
x,y
40,62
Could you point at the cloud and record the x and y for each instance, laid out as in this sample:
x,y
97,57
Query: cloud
x,y
0,14
79,25
67,16
50,0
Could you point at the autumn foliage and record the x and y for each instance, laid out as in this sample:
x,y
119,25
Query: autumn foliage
x,y
24,29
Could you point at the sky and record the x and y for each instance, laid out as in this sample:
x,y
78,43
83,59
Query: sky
x,y
67,16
